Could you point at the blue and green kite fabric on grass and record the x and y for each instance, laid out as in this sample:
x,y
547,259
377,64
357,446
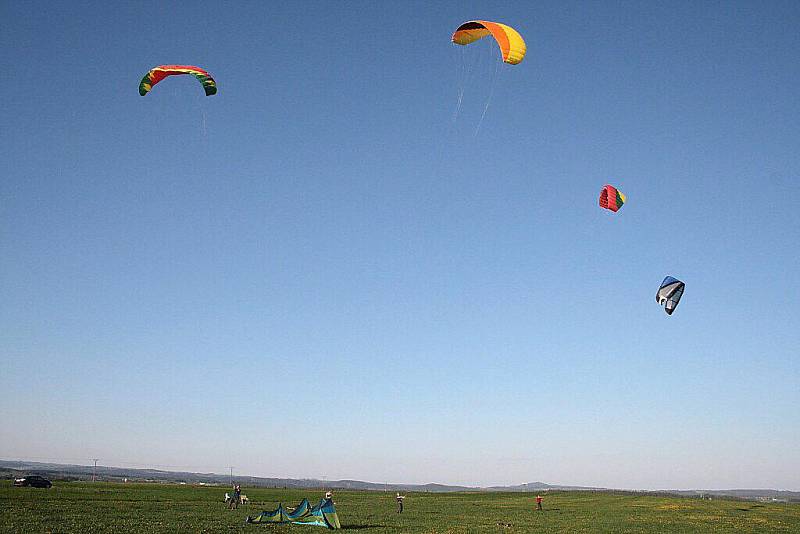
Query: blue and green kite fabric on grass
x,y
321,515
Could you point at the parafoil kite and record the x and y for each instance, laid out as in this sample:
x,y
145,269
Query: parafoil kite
x,y
512,46
670,293
611,198
157,74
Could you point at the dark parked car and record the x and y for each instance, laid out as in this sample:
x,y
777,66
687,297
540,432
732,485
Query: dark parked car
x,y
34,481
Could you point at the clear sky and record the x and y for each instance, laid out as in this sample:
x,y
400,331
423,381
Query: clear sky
x,y
324,271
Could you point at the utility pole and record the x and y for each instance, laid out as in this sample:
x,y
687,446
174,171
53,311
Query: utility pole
x,y
94,469
231,468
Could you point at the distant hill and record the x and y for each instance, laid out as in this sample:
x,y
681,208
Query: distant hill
x,y
541,486
10,469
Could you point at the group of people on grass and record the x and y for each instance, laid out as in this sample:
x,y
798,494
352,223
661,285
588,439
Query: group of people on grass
x,y
236,498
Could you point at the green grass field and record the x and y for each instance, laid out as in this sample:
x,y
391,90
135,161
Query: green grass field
x,y
107,507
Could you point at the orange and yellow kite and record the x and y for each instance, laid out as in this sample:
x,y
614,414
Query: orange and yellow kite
x,y
511,44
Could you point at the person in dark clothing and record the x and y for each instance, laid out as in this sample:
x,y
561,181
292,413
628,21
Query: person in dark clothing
x,y
236,498
400,503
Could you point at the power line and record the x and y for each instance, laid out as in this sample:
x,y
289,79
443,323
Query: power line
x,y
94,469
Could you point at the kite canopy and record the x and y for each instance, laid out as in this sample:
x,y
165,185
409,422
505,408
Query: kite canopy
x,y
670,293
321,515
157,74
512,46
301,510
611,198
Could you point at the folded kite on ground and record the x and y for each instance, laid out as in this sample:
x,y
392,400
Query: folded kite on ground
x,y
321,515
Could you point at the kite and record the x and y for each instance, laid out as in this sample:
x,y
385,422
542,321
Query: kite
x,y
157,74
322,515
670,293
511,44
611,198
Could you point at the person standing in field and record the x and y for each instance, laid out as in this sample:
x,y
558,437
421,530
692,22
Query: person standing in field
x,y
400,503
235,498
538,502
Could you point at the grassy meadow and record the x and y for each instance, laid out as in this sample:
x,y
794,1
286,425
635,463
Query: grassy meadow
x,y
111,507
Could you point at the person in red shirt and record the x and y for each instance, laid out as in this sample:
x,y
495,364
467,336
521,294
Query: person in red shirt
x,y
538,502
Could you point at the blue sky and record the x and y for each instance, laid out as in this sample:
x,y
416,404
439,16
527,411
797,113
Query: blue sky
x,y
324,271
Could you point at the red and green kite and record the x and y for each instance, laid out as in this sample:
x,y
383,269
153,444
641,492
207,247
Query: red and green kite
x,y
157,74
611,198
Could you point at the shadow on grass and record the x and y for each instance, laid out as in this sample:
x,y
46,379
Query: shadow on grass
x,y
360,527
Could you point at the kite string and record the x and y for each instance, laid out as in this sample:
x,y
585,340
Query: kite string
x,y
469,69
462,82
203,122
464,75
489,99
